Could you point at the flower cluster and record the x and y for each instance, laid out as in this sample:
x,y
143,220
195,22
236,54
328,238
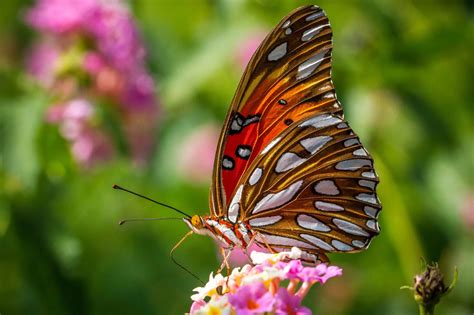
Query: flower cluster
x,y
90,52
275,284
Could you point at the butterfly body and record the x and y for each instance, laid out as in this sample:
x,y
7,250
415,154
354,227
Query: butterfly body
x,y
289,171
227,233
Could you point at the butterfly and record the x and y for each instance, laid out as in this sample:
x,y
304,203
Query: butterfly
x,y
289,171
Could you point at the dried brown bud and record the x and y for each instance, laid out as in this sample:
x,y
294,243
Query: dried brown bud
x,y
429,288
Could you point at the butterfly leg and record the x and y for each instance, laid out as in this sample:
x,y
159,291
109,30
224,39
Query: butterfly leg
x,y
225,252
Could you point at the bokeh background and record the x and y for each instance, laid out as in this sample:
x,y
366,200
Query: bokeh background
x,y
133,93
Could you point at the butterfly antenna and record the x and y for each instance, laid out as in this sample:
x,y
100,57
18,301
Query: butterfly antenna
x,y
177,263
121,222
149,199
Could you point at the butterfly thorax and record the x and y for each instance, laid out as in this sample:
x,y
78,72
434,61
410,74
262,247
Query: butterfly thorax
x,y
227,233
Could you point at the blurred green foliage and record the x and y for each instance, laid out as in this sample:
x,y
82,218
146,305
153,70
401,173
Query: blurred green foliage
x,y
404,73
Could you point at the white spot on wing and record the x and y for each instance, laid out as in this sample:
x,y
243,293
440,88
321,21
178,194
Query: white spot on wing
x,y
326,187
288,161
313,145
314,16
341,246
367,183
311,223
352,165
278,52
288,31
234,207
307,67
310,33
270,145
342,126
281,240
358,243
265,220
351,142
317,241
255,177
349,227
368,174
321,121
371,211
370,198
372,224
274,200
327,206
286,24
360,152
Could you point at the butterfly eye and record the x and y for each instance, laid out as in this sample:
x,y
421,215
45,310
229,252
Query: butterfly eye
x,y
196,221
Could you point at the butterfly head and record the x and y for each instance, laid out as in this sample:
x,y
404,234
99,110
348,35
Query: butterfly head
x,y
196,224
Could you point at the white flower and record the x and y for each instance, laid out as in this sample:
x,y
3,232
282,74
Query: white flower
x,y
210,288
216,306
259,257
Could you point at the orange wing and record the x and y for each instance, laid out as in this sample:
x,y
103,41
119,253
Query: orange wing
x,y
287,79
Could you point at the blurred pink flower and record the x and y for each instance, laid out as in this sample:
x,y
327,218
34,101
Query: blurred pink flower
x,y
196,157
114,61
89,145
287,304
467,212
41,62
248,47
239,258
60,16
251,299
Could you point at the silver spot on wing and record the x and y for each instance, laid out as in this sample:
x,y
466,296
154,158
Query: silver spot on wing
x,y
255,177
310,33
265,220
327,206
349,227
274,200
321,121
341,246
306,68
288,161
311,223
234,207
327,187
317,241
270,145
352,165
370,198
314,144
278,52
314,16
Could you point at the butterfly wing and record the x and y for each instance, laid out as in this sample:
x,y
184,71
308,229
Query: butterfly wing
x,y
287,79
314,188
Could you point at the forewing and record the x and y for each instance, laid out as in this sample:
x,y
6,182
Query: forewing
x,y
314,187
287,79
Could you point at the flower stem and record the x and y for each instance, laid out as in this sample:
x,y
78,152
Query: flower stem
x,y
426,309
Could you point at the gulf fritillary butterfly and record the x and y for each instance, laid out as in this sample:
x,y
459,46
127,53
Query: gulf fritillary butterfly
x,y
289,171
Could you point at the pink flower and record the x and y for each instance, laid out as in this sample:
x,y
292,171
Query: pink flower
x,y
288,304
41,62
196,306
116,36
60,16
248,47
261,288
114,60
252,299
292,269
321,273
196,155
